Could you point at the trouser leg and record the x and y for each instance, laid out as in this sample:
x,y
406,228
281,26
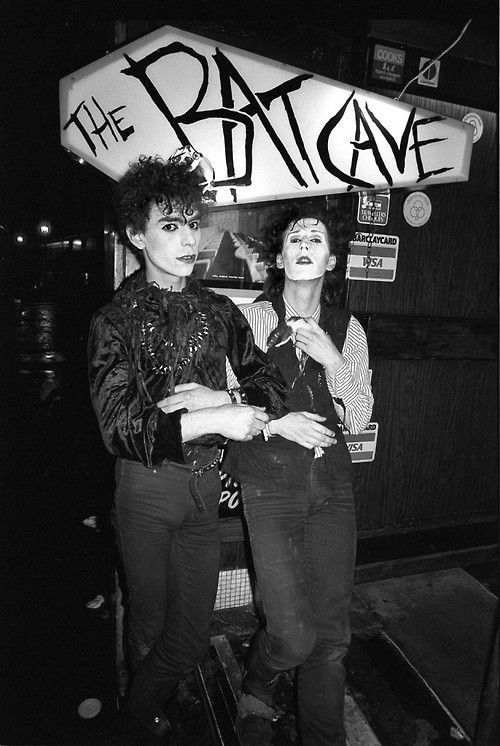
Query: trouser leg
x,y
193,570
275,519
171,558
149,506
330,556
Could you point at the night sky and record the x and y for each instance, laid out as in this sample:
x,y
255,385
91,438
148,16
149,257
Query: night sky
x,y
40,180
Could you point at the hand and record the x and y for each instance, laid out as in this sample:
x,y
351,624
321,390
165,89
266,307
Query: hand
x,y
240,421
192,396
316,343
303,428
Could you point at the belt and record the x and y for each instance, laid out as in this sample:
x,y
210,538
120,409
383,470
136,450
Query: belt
x,y
193,484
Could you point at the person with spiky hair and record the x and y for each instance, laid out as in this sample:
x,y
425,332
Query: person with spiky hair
x,y
165,336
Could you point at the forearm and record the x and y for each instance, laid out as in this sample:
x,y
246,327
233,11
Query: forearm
x,y
351,382
353,400
198,423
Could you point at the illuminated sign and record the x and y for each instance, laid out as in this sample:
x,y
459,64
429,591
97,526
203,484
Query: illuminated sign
x,y
271,131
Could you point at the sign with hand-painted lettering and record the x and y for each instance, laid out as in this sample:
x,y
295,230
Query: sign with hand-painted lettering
x,y
271,131
372,256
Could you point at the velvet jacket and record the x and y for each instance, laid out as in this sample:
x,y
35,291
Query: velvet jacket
x,y
146,341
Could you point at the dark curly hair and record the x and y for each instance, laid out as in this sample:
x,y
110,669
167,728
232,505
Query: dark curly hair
x,y
339,225
150,180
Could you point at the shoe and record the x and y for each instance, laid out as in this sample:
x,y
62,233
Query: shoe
x,y
124,729
250,705
254,721
254,731
157,726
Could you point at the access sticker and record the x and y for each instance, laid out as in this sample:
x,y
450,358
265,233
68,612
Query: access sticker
x,y
417,209
372,257
362,446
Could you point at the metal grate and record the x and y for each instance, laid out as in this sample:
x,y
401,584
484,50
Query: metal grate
x,y
234,589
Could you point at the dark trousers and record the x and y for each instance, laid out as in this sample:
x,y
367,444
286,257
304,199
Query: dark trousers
x,y
170,553
301,524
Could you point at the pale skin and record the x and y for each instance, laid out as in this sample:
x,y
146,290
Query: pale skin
x,y
306,258
170,242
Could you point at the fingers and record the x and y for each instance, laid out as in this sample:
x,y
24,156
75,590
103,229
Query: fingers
x,y
168,408
186,387
313,416
170,403
262,417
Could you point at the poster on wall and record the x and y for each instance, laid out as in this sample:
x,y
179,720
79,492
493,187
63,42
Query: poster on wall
x,y
229,258
271,131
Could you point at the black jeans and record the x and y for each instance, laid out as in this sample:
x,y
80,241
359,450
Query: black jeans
x,y
170,552
301,524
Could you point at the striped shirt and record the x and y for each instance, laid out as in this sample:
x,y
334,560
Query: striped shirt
x,y
351,383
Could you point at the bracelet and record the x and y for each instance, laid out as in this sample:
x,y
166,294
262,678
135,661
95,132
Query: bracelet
x,y
232,396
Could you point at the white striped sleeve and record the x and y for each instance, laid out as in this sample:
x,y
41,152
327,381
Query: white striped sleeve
x,y
262,320
232,381
351,383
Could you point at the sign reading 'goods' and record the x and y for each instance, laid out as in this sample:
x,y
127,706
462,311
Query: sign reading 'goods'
x,y
270,131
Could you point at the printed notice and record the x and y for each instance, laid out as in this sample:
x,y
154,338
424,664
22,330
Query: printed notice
x,y
372,257
362,446
388,63
373,208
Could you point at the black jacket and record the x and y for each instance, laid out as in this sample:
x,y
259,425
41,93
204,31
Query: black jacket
x,y
146,341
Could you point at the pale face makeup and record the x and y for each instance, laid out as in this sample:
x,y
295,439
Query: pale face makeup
x,y
170,244
306,250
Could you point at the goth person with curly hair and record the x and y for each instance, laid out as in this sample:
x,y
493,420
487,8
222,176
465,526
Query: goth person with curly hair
x,y
165,337
297,486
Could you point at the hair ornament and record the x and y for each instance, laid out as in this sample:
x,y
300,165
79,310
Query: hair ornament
x,y
194,161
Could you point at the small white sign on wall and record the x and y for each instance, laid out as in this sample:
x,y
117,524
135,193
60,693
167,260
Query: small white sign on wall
x,y
373,257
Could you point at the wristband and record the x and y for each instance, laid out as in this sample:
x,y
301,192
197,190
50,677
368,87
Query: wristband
x,y
232,396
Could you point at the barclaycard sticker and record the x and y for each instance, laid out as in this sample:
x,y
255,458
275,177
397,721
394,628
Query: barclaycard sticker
x,y
372,256
362,446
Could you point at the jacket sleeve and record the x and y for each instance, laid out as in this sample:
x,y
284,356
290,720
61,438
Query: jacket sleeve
x,y
259,378
131,425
